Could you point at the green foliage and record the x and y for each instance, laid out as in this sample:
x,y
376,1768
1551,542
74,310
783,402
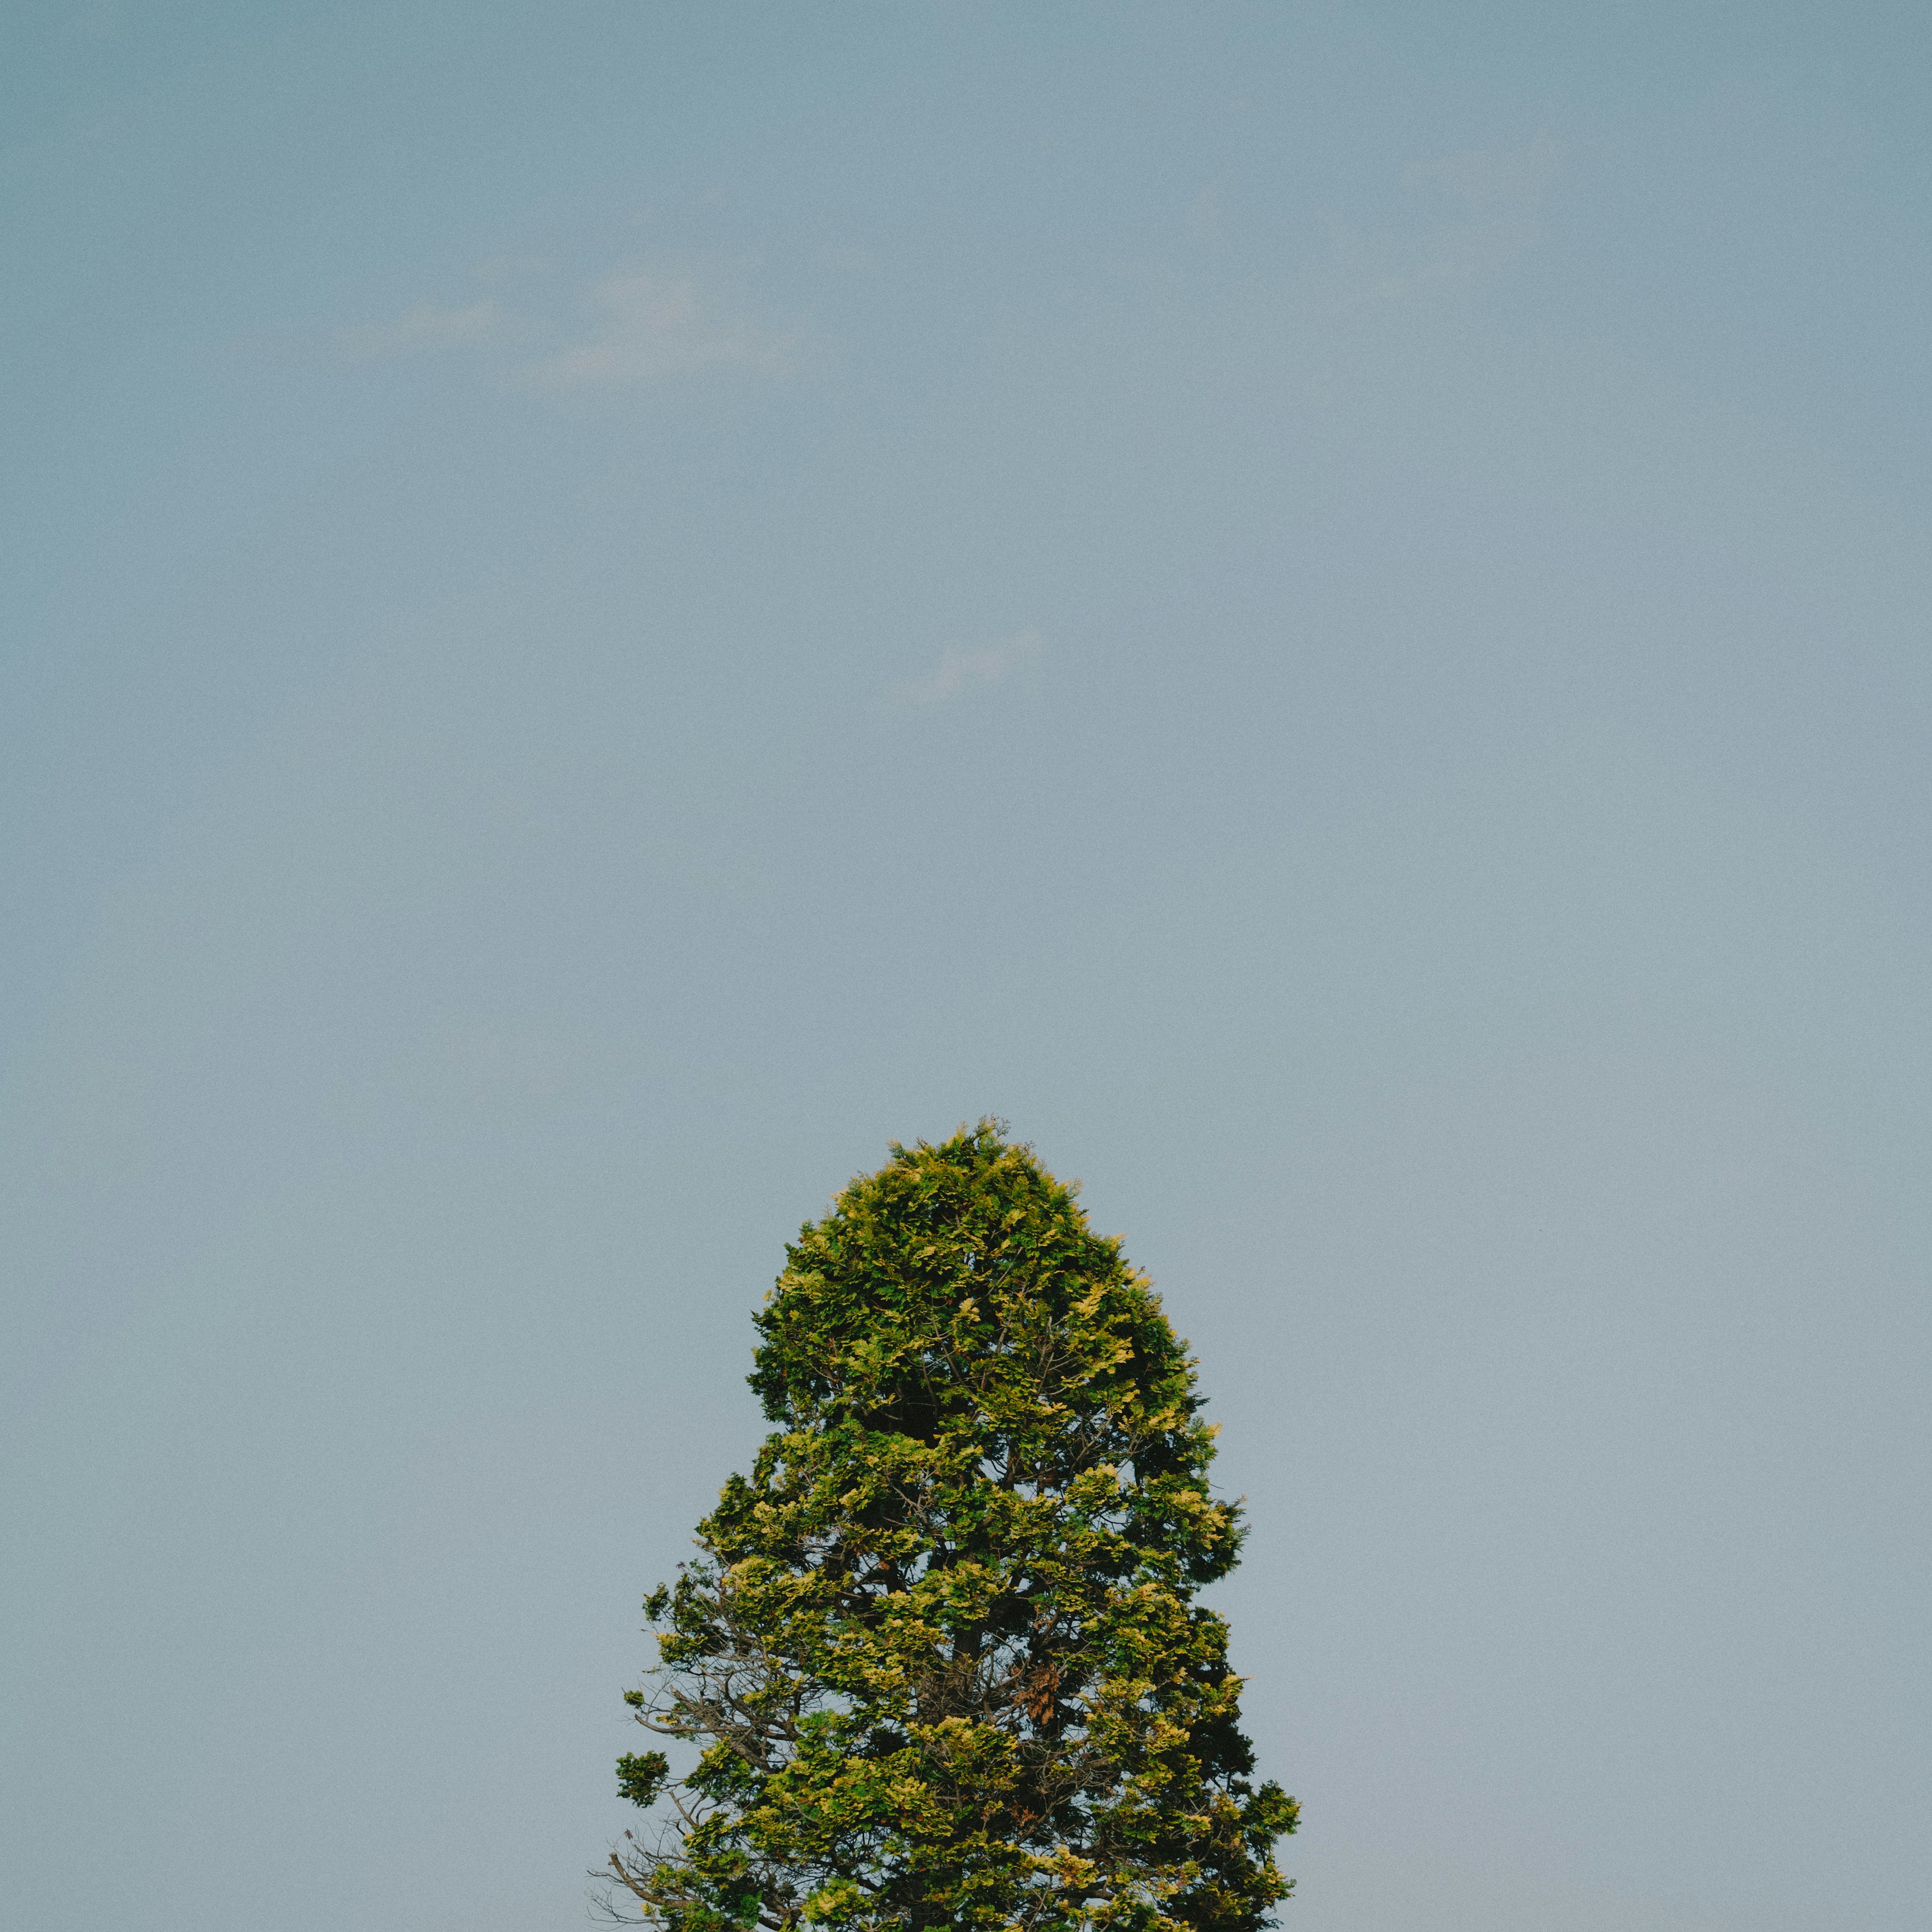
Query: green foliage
x,y
940,1658
641,1776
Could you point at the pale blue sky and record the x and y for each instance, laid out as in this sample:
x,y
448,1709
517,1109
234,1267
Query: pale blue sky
x,y
610,606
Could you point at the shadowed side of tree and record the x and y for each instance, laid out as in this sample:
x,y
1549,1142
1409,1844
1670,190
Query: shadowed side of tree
x,y
940,1659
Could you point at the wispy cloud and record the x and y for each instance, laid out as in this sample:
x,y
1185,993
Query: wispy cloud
x,y
1458,255
650,327
1483,179
1494,197
424,325
960,672
644,327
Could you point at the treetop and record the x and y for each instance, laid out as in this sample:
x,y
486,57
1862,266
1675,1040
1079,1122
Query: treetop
x,y
938,1654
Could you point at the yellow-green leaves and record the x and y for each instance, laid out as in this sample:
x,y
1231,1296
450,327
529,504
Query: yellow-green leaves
x,y
939,1656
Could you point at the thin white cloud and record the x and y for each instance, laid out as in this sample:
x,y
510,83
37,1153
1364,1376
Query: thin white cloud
x,y
1464,254
650,327
1494,197
960,672
1483,179
424,325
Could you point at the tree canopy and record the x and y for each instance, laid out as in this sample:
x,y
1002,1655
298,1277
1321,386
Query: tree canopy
x,y
938,1662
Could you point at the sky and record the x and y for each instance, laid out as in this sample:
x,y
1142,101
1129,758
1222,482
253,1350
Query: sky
x,y
610,606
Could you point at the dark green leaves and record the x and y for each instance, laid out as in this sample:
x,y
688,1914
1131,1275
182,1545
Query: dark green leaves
x,y
641,1777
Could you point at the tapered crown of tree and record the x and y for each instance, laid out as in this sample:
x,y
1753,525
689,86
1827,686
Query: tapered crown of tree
x,y
938,1663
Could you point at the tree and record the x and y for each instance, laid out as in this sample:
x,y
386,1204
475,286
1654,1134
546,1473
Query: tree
x,y
939,1655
